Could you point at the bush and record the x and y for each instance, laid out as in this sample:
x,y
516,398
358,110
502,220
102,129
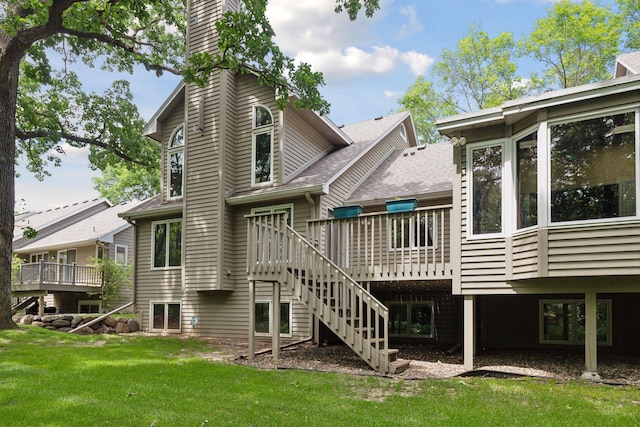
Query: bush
x,y
115,277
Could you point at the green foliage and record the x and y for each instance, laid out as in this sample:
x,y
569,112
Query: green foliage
x,y
426,106
142,381
481,72
630,14
29,232
352,7
16,262
577,42
126,182
115,278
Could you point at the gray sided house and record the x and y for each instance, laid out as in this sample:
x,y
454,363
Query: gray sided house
x,y
58,263
546,247
273,225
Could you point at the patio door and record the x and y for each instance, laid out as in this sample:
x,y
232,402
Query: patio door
x,y
65,260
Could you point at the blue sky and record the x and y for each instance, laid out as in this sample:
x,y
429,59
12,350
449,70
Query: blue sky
x,y
367,64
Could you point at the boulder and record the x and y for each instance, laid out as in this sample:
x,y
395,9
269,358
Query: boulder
x,y
66,329
51,328
121,328
27,319
67,317
60,323
85,331
110,322
50,318
37,323
133,325
76,321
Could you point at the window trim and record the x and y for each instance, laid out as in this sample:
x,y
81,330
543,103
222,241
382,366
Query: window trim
x,y
574,322
506,188
126,254
403,132
408,305
91,302
165,328
632,108
255,132
170,151
270,333
153,245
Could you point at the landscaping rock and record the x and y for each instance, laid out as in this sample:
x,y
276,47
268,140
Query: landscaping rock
x,y
110,322
27,319
37,323
85,331
61,323
133,325
65,329
50,318
76,321
121,328
67,317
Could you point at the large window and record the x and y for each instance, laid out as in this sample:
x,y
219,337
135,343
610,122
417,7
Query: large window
x,y
176,162
264,315
593,168
563,321
486,189
167,243
411,319
262,153
165,316
415,230
122,254
527,184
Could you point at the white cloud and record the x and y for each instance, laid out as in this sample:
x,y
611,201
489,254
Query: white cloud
x,y
392,94
413,25
311,32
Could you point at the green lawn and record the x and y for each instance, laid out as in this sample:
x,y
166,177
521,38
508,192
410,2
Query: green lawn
x,y
55,379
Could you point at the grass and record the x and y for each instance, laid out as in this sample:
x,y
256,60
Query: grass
x,y
53,379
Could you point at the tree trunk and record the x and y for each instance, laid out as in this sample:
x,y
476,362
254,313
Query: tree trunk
x,y
8,94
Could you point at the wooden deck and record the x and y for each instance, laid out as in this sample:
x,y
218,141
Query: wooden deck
x,y
50,276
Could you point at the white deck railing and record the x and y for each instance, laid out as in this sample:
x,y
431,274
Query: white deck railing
x,y
388,246
51,273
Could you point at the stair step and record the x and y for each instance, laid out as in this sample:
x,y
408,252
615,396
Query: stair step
x,y
392,354
398,366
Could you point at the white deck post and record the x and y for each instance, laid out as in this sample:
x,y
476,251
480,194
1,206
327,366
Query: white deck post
x,y
252,319
591,338
275,328
41,305
469,331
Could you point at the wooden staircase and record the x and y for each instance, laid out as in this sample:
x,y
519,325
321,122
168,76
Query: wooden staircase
x,y
279,253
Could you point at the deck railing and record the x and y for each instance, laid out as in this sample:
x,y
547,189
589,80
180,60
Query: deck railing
x,y
278,253
51,273
388,246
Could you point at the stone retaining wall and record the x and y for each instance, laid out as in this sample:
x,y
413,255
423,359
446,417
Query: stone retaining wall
x,y
68,322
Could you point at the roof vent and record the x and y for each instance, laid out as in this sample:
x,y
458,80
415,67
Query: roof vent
x,y
379,118
422,147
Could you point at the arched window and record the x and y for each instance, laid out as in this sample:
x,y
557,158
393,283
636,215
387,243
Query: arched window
x,y
175,162
262,143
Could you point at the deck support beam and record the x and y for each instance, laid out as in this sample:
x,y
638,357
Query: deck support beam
x,y
252,319
591,338
469,331
275,328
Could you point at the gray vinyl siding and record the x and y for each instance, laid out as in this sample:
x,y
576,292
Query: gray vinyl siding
x,y
302,144
125,238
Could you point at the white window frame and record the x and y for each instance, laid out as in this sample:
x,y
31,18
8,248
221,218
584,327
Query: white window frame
x,y
507,188
270,333
512,197
90,302
153,245
574,321
635,108
262,130
173,150
126,254
35,258
165,327
403,132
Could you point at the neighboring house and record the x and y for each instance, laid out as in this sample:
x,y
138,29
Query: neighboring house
x,y
241,242
57,261
547,242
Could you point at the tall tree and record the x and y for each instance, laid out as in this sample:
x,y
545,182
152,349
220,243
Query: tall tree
x,y
577,42
630,14
51,109
481,71
426,106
